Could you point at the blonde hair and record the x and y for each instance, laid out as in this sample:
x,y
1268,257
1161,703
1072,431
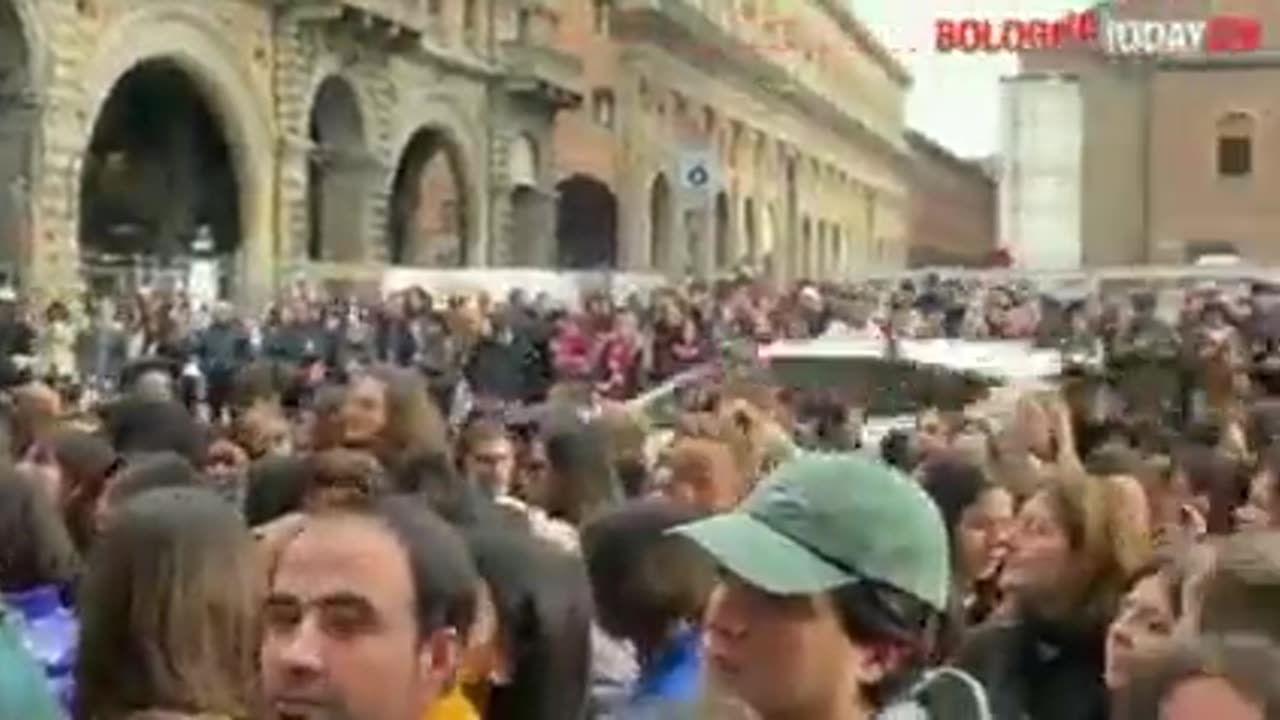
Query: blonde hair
x,y
1094,515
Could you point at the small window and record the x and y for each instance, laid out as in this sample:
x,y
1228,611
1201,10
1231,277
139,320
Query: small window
x,y
602,107
470,17
600,16
1235,156
435,7
523,20
1235,145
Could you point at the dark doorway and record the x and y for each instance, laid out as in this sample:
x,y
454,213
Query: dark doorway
x,y
586,224
724,236
158,181
749,230
660,220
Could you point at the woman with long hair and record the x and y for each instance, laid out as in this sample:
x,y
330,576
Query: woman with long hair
x,y
389,413
535,664
170,603
1069,564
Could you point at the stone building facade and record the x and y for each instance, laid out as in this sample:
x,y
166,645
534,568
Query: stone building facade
x,y
952,221
349,134
1176,161
796,108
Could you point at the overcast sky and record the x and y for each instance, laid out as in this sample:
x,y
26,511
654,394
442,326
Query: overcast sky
x,y
956,97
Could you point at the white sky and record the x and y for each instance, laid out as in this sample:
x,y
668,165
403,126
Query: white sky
x,y
956,97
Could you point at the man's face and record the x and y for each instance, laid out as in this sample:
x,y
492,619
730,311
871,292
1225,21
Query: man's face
x,y
931,432
783,656
492,465
341,639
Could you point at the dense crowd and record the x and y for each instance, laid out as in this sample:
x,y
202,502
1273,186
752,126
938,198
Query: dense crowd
x,y
426,508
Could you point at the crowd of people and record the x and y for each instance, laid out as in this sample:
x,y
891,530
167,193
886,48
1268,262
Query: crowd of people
x,y
421,508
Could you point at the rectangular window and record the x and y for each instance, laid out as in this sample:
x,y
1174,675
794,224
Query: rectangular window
x,y
602,107
470,17
523,19
600,16
1235,156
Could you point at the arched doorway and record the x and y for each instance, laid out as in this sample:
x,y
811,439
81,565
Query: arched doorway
x,y
428,224
839,258
790,231
660,221
526,235
805,264
586,224
768,241
159,187
749,237
822,261
335,175
18,121
724,242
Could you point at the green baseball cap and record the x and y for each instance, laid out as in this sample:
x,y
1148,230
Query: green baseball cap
x,y
824,520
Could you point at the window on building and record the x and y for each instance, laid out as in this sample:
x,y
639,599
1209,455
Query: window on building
x,y
600,16
749,10
602,107
470,17
1235,145
435,7
523,20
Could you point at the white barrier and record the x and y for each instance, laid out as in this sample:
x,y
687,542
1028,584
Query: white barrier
x,y
1155,274
565,286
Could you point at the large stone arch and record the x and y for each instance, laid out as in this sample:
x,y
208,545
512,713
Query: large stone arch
x,y
337,171
442,115
432,167
205,52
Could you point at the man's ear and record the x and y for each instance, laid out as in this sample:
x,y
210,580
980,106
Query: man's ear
x,y
440,658
876,662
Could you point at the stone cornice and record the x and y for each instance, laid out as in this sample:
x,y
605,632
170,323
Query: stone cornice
x,y
684,32
866,40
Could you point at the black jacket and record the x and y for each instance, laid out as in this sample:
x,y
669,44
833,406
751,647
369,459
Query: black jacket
x,y
1037,670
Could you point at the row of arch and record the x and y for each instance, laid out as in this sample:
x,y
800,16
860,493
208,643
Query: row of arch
x,y
173,118
822,249
429,214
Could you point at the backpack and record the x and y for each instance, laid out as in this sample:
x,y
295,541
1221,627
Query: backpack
x,y
944,693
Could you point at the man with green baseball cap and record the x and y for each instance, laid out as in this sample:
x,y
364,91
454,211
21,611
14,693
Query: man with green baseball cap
x,y
835,576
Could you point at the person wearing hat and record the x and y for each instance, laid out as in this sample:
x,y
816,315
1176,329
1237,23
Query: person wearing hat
x,y
835,574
